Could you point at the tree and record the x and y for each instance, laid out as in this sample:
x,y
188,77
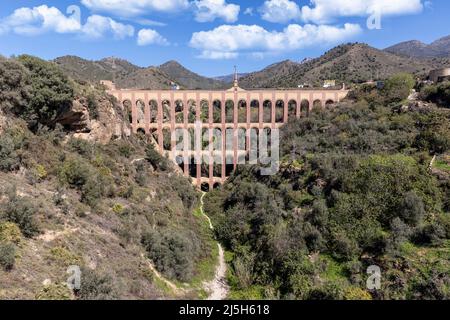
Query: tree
x,y
51,92
398,87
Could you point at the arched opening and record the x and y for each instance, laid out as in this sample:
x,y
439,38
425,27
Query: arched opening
x,y
141,132
166,111
216,185
217,111
304,108
329,104
192,111
179,111
217,170
192,167
242,139
140,110
229,111
253,148
267,111
317,104
279,111
292,109
167,139
229,168
153,111
205,187
128,110
242,111
254,111
204,111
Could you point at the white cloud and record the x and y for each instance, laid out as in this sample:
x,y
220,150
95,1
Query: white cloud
x,y
97,26
280,11
31,21
149,36
133,8
209,10
231,40
324,11
42,19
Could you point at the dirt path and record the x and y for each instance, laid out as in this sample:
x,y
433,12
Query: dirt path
x,y
217,288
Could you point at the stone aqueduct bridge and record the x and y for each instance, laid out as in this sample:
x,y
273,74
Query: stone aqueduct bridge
x,y
159,112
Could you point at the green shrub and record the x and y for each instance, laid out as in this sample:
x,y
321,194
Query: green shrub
x,y
7,255
173,253
21,211
14,86
10,232
75,172
95,286
55,292
51,92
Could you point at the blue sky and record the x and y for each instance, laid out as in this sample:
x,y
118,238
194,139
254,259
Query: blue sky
x,y
211,36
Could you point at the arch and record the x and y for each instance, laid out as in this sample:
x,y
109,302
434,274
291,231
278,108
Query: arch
x,y
140,111
329,103
192,111
127,106
229,168
254,111
167,139
279,111
204,111
217,111
204,170
242,111
317,104
304,108
217,185
179,111
141,131
153,111
166,111
217,170
292,109
205,187
267,111
192,167
242,139
229,111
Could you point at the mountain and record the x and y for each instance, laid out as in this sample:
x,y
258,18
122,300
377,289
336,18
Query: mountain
x,y
130,76
418,49
230,77
349,63
189,79
94,71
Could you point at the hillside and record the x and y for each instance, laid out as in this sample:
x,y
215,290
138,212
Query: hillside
x,y
129,76
188,79
355,189
77,189
418,49
350,63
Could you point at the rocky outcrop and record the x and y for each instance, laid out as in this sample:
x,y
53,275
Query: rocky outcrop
x,y
75,117
109,123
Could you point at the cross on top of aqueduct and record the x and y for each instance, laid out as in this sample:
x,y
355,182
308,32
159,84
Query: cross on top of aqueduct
x,y
159,113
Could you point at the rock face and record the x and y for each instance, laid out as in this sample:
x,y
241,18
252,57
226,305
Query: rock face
x,y
109,124
76,117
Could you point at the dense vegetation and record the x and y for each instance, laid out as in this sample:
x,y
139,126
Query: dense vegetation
x,y
355,189
66,201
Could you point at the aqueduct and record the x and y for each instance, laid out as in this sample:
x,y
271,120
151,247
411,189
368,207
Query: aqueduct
x,y
162,112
